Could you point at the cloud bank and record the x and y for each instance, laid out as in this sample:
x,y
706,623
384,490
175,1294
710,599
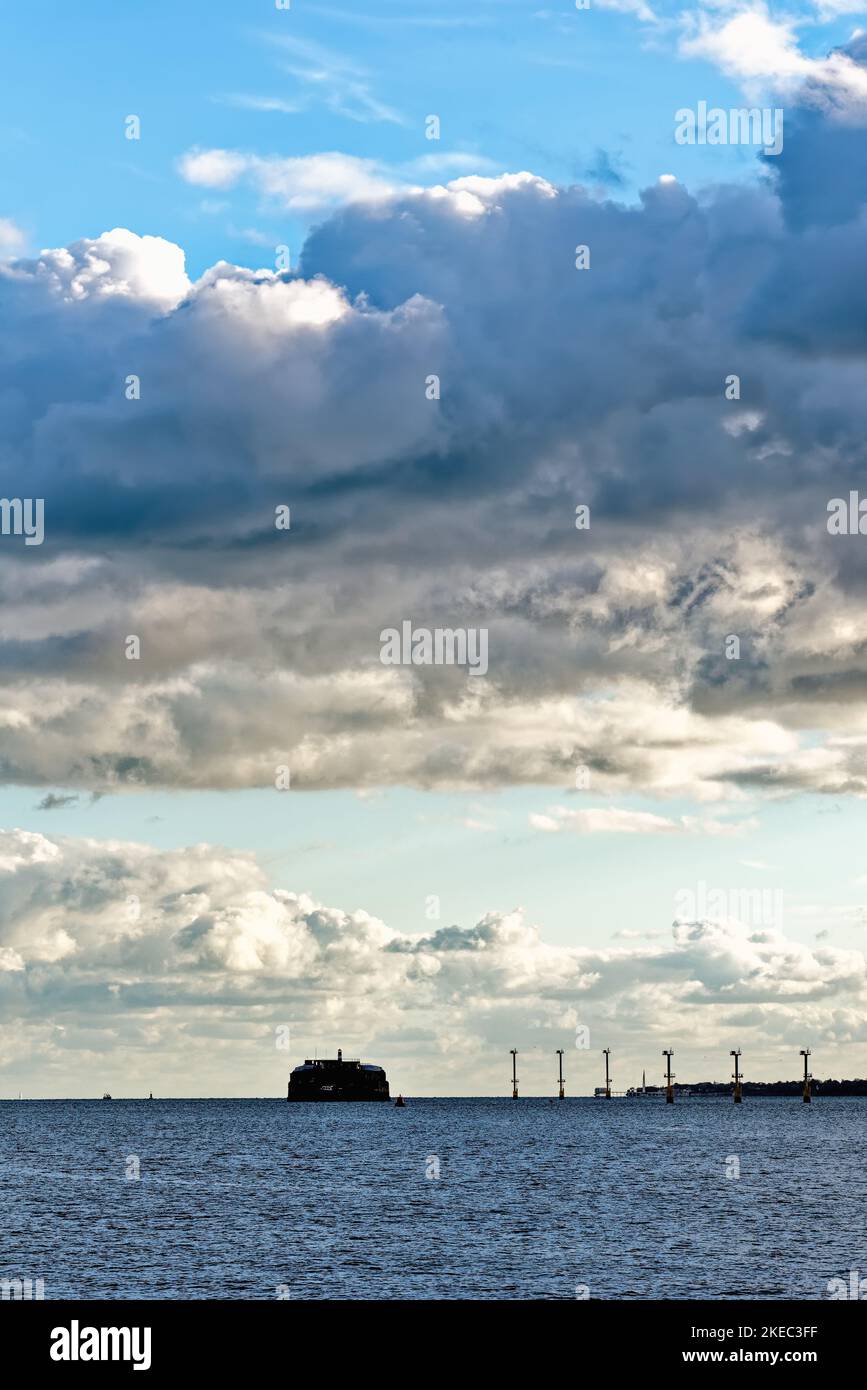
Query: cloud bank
x,y
120,963
558,387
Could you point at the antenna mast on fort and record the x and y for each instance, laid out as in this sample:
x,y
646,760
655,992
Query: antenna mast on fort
x,y
560,1055
606,1052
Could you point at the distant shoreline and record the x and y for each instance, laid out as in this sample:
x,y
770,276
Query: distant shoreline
x,y
755,1089
830,1087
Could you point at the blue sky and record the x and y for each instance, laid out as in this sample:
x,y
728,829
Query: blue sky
x,y
391,849
571,95
306,127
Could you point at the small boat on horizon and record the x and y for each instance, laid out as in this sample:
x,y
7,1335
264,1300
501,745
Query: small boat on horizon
x,y
400,1102
106,1096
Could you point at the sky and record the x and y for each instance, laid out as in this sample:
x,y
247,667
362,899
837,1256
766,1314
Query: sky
x,y
281,225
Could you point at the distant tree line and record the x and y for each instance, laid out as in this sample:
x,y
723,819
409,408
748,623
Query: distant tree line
x,y
830,1087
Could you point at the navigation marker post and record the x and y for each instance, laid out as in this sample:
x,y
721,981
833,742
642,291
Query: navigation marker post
x,y
668,1053
736,1052
805,1052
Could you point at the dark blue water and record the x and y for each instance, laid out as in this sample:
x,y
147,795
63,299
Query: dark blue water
x,y
258,1199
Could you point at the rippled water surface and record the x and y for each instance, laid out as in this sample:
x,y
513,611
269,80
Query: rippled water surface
x,y
240,1199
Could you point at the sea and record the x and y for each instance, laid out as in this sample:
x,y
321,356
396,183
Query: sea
x,y
444,1199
